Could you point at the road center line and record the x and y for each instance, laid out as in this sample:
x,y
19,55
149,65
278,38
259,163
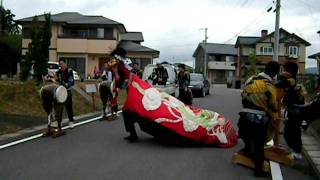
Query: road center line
x,y
40,135
275,167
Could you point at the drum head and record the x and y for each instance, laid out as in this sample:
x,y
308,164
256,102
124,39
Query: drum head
x,y
61,94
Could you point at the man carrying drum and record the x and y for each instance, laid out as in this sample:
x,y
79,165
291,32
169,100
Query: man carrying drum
x,y
65,78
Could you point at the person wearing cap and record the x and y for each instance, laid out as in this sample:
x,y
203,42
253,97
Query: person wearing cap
x,y
183,83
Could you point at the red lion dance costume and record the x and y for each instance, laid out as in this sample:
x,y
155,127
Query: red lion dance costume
x,y
167,118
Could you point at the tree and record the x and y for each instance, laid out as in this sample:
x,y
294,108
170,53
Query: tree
x,y
37,56
10,42
253,66
8,25
41,62
10,51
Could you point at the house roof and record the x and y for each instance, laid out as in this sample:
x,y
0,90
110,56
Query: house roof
x,y
246,40
281,30
314,56
215,48
250,40
75,18
132,36
134,47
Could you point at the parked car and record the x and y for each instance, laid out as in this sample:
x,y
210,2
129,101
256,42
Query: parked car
x,y
199,84
170,87
76,76
53,66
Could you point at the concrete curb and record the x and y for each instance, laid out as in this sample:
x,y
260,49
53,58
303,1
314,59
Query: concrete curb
x,y
311,149
33,130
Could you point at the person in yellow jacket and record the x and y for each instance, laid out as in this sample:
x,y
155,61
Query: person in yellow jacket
x,y
259,104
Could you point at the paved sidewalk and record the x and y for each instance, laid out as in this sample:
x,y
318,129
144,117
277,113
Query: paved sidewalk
x,y
311,149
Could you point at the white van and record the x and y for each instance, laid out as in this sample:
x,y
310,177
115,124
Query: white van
x,y
170,87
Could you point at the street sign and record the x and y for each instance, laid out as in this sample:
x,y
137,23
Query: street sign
x,y
91,88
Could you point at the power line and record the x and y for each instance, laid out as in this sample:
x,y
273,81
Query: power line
x,y
243,4
313,24
310,10
243,30
252,22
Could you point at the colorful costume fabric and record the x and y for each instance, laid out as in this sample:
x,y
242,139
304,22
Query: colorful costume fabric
x,y
199,125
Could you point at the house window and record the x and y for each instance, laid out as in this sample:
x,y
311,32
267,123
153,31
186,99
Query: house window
x,y
229,59
293,51
26,33
100,33
92,32
75,32
266,50
108,33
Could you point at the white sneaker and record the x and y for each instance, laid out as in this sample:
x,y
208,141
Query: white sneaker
x,y
296,156
71,125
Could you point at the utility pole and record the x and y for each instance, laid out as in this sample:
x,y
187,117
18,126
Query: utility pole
x,y
276,33
205,63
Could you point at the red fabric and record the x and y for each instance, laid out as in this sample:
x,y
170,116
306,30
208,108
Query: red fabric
x,y
134,104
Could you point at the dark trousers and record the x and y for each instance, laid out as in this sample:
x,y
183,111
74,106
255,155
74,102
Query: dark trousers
x,y
292,133
185,96
254,137
68,105
129,121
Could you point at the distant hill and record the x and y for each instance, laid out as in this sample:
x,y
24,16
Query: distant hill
x,y
311,70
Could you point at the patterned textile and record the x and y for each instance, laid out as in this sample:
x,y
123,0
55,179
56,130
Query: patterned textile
x,y
202,126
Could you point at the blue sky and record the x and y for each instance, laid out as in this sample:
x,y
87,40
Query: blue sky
x,y
174,26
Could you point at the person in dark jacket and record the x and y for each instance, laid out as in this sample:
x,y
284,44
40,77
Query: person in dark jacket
x,y
160,75
135,70
294,95
65,78
185,94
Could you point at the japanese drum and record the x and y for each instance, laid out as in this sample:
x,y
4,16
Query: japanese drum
x,y
54,92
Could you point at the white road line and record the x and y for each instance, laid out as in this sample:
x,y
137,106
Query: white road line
x,y
40,135
275,167
275,171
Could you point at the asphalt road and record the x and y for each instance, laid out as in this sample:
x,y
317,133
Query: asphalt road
x,y
98,151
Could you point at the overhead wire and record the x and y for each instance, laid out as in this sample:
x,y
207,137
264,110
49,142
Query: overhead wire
x,y
243,30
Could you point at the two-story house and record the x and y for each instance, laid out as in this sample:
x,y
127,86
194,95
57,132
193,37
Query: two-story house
x,y
84,41
291,48
131,42
218,59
